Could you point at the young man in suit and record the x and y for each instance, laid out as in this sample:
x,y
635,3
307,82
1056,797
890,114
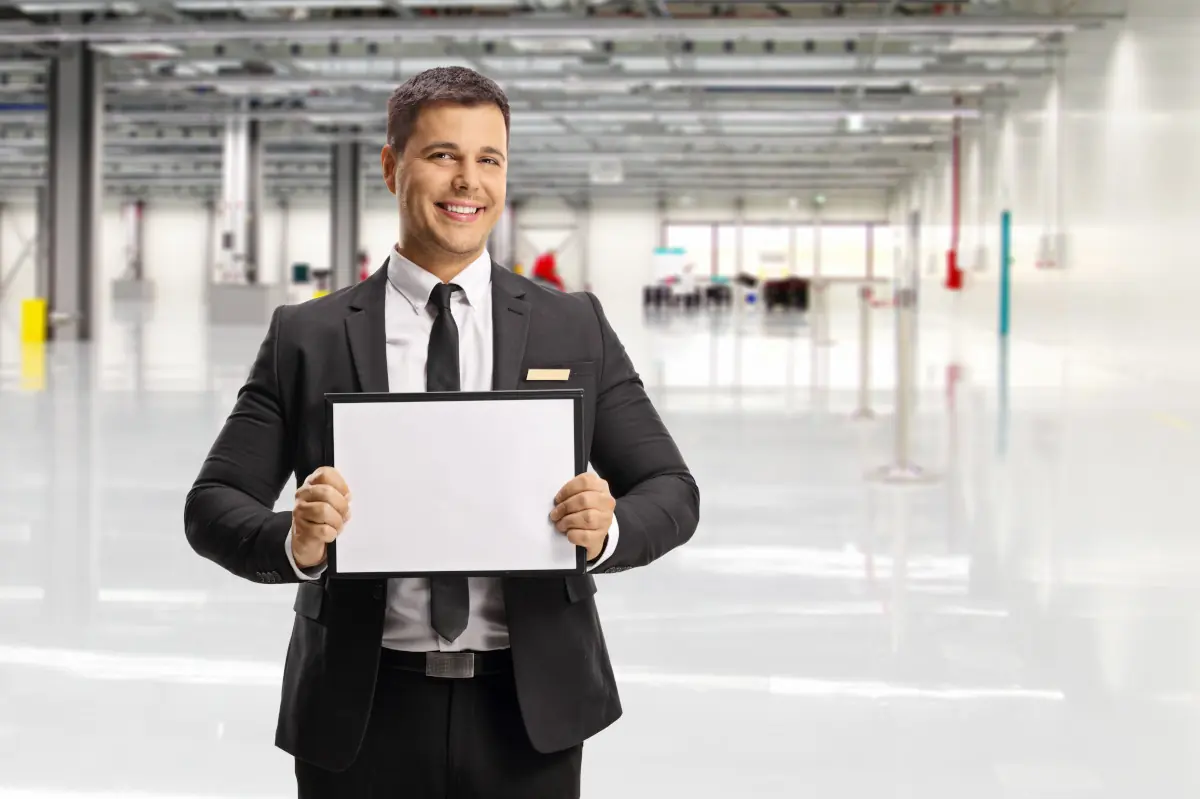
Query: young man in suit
x,y
439,686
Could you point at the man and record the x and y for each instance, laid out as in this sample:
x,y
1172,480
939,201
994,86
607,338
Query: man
x,y
439,687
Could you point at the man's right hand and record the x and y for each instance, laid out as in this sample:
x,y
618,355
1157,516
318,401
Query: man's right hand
x,y
321,512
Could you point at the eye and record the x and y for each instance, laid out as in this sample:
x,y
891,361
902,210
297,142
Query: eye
x,y
490,160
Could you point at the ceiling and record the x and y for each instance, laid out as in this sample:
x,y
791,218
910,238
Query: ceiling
x,y
627,96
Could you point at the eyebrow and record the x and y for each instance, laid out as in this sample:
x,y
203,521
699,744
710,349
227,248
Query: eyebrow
x,y
449,145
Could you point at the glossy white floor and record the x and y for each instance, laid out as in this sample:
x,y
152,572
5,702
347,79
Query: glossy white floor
x,y
992,634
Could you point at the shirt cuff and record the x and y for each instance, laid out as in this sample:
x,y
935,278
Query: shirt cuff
x,y
610,545
312,573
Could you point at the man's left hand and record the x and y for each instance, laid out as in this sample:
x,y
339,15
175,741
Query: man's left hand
x,y
584,511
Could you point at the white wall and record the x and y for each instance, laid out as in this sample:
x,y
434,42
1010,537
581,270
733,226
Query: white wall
x,y
16,226
1118,405
1121,188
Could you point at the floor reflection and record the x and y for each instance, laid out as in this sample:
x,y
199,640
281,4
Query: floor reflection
x,y
1024,626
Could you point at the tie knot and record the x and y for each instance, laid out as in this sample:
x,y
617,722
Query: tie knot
x,y
441,295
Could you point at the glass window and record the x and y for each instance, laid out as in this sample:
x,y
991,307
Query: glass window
x,y
727,251
696,241
766,251
805,255
885,254
843,250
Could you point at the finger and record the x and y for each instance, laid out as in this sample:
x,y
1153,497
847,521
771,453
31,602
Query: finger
x,y
589,519
327,494
315,513
579,483
325,533
576,503
327,475
569,489
307,531
582,538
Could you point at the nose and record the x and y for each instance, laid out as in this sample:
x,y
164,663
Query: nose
x,y
467,178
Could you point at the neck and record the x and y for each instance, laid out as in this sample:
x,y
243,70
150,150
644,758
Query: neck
x,y
444,266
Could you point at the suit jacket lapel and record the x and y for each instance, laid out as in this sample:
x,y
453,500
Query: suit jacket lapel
x,y
366,333
510,326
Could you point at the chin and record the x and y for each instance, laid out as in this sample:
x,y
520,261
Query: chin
x,y
461,247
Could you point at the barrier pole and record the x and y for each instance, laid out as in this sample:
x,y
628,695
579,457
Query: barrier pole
x,y
1005,271
864,354
902,469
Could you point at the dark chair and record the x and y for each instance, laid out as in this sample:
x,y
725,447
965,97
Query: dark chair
x,y
788,292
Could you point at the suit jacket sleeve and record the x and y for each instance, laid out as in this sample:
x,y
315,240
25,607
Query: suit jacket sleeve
x,y
658,502
228,514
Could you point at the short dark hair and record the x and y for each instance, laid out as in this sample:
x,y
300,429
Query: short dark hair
x,y
458,85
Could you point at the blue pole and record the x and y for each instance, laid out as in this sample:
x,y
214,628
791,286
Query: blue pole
x,y
1005,275
1005,307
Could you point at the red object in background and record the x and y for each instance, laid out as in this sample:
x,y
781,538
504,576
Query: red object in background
x,y
954,275
545,268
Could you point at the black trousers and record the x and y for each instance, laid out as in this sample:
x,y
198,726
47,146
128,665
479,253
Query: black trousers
x,y
439,738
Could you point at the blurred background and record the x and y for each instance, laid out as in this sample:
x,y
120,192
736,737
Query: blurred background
x,y
908,280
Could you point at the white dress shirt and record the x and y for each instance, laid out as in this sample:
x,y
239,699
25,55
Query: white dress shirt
x,y
408,321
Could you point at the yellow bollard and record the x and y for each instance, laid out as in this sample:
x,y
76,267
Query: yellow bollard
x,y
33,321
33,366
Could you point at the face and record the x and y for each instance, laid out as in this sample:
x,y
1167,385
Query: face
x,y
450,182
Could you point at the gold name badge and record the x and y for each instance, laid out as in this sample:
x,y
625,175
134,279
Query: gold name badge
x,y
548,374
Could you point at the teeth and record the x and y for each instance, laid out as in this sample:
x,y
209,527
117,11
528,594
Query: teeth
x,y
462,209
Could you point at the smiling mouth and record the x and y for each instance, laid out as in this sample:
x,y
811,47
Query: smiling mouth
x,y
464,213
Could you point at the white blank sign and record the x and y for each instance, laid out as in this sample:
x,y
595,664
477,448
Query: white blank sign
x,y
462,485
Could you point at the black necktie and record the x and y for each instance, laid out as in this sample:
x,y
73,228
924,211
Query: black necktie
x,y
449,600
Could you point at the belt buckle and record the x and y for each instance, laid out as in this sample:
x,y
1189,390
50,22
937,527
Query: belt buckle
x,y
454,665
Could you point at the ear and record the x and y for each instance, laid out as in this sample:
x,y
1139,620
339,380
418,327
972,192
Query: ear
x,y
387,161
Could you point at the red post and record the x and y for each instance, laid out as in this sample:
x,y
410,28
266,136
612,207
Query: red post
x,y
954,275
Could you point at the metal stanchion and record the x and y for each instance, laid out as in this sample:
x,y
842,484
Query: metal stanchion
x,y
820,303
864,354
903,469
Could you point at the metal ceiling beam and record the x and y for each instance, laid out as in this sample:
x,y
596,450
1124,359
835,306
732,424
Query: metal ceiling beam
x,y
517,173
559,85
774,140
532,158
676,182
498,28
778,112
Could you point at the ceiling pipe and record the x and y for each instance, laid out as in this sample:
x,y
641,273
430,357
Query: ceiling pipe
x,y
791,78
334,117
500,28
766,143
716,183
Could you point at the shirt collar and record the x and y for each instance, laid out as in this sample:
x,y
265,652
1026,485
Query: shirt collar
x,y
416,284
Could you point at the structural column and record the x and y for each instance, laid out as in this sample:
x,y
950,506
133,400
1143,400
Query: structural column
x,y
75,182
346,207
241,201
502,243
133,222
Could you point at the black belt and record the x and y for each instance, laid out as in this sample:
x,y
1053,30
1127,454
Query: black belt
x,y
455,665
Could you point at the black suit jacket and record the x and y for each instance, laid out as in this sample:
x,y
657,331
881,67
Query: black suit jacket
x,y
563,675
